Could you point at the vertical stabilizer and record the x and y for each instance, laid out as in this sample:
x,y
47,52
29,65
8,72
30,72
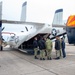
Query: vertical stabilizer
x,y
58,17
23,13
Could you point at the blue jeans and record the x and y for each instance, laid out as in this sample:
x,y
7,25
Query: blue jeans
x,y
63,52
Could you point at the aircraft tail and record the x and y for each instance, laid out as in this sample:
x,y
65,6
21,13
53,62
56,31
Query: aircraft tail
x,y
23,13
58,17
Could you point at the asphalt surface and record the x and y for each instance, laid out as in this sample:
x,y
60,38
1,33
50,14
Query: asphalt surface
x,y
13,62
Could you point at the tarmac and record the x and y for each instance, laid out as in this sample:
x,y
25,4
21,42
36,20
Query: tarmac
x,y
14,62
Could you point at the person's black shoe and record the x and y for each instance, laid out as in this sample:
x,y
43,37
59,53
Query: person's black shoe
x,y
64,56
40,58
35,57
57,58
43,58
50,58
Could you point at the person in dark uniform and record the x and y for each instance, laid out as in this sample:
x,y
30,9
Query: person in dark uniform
x,y
57,47
63,47
35,46
42,48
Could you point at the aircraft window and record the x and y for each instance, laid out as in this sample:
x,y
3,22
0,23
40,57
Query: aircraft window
x,y
26,28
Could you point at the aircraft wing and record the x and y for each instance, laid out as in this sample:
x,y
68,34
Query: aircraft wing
x,y
29,23
21,22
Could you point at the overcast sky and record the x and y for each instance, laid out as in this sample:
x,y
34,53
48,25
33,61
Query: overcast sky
x,y
45,8
37,11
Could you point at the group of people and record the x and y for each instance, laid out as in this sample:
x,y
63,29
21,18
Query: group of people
x,y
44,46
